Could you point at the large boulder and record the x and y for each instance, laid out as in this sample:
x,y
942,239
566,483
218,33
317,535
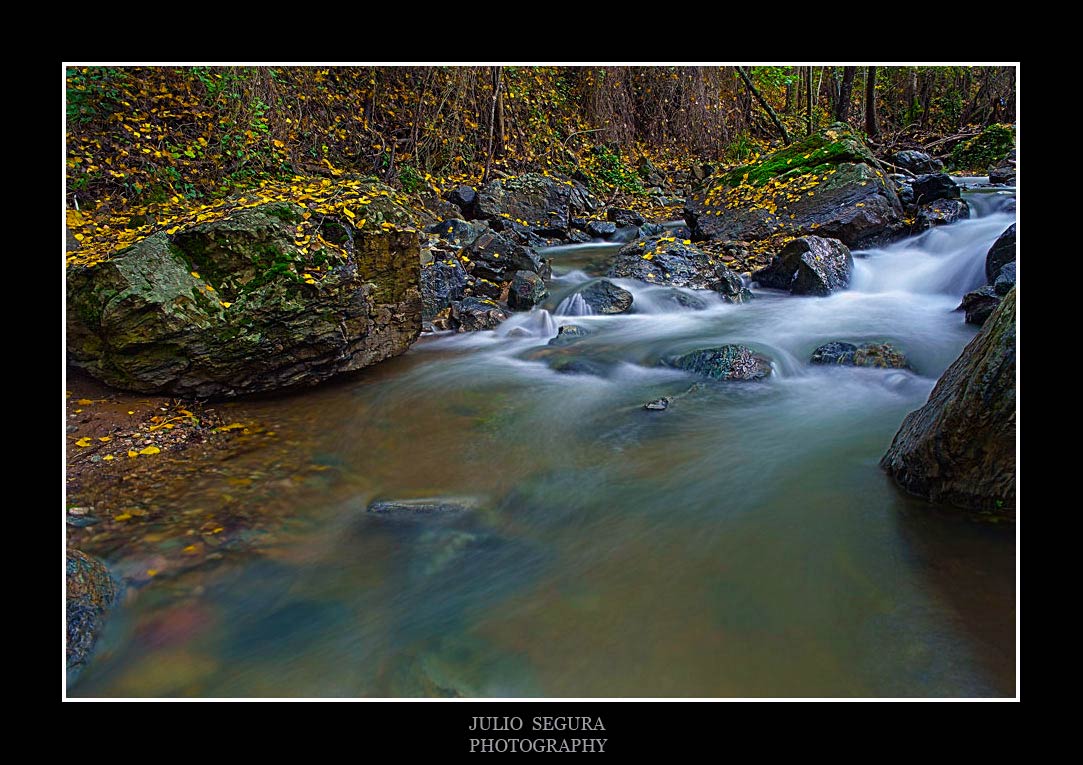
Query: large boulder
x,y
726,362
604,297
543,204
959,448
443,281
1001,253
811,265
929,188
828,184
89,595
667,261
455,231
235,306
497,257
916,162
475,314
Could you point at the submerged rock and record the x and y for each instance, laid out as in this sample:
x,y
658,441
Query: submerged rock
x,y
90,594
811,265
604,297
979,304
527,290
658,405
219,308
881,355
474,314
568,334
959,448
1001,253
726,362
665,261
828,184
419,507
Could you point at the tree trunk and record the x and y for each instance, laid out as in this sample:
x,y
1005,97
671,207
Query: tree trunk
x,y
872,128
766,106
498,85
808,102
842,108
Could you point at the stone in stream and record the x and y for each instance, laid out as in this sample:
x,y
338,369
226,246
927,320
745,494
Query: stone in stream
x,y
667,262
568,334
811,265
658,405
601,229
473,314
726,362
880,355
90,592
443,281
604,297
916,162
942,212
959,447
527,290
1005,279
419,507
828,184
1001,253
1003,173
979,304
496,257
218,308
929,188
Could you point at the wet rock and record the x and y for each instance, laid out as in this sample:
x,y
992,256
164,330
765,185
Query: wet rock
x,y
154,318
601,229
575,365
546,204
903,189
811,265
648,230
658,405
605,297
834,353
1003,173
418,507
828,184
726,362
463,197
680,299
879,355
1005,279
665,261
929,188
527,290
623,217
89,595
496,257
979,304
442,283
578,237
625,234
942,212
959,448
456,231
1001,253
473,314
568,334
916,162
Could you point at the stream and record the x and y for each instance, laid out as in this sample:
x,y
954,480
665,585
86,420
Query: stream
x,y
742,543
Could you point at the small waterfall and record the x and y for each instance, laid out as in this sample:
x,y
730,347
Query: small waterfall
x,y
538,323
574,305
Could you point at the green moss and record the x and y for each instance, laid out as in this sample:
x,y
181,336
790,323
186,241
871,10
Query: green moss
x,y
988,148
285,212
817,153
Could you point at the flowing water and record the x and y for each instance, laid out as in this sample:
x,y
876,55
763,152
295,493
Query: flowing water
x,y
743,542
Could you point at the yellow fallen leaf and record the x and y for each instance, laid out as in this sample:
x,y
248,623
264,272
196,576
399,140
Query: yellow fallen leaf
x,y
107,458
84,441
123,517
84,402
152,572
133,453
131,412
195,274
348,212
150,450
224,304
105,439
